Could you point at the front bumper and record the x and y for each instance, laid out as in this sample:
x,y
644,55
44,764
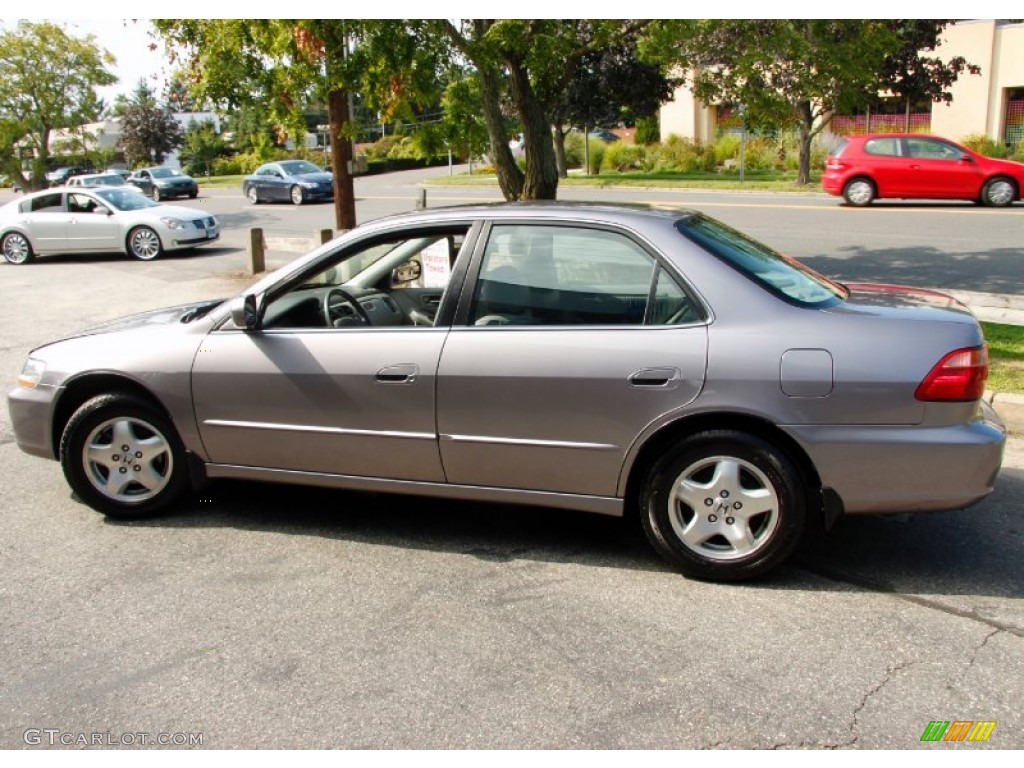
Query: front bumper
x,y
891,469
31,411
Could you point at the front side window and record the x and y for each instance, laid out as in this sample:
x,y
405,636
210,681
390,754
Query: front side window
x,y
551,275
933,150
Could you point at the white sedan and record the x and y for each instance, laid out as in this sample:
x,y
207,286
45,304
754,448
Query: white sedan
x,y
99,220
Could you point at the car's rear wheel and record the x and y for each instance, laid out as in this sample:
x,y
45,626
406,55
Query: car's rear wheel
x,y
144,243
724,506
859,191
297,197
122,457
16,248
253,195
999,192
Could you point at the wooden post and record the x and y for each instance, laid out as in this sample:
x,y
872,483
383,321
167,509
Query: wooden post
x,y
421,200
322,236
257,251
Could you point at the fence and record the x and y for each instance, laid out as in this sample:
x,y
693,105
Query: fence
x,y
851,125
1015,122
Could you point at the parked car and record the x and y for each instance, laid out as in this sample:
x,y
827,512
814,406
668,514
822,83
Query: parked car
x,y
162,183
97,180
865,168
298,181
86,219
592,357
603,135
60,176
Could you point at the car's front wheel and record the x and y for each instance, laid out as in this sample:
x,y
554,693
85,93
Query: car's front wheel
x,y
297,197
122,457
253,195
155,194
998,192
144,243
16,248
724,505
859,191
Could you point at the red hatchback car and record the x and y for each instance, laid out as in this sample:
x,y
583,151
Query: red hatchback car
x,y
863,168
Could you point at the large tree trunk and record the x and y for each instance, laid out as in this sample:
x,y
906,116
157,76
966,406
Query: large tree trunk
x,y
806,124
541,182
510,178
341,155
560,162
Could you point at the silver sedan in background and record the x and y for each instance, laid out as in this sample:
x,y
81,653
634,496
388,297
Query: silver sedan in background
x,y
99,220
590,357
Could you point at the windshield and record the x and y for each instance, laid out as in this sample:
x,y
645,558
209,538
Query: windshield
x,y
783,276
125,199
296,167
163,173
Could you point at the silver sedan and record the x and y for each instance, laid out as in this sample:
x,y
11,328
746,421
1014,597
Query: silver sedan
x,y
99,220
579,356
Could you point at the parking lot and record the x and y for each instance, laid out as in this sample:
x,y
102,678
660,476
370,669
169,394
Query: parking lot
x,y
265,616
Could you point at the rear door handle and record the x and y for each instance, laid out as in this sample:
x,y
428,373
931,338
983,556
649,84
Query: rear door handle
x,y
664,378
405,373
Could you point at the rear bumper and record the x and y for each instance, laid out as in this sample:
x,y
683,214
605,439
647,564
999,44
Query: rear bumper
x,y
883,469
832,183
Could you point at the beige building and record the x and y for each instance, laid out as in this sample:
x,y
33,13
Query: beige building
x,y
991,103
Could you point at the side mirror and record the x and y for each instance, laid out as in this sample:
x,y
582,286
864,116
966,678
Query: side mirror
x,y
244,313
967,158
406,273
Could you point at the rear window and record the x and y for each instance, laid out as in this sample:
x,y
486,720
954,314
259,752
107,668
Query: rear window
x,y
840,148
785,277
884,146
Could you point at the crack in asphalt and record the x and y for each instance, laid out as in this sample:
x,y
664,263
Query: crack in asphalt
x,y
924,602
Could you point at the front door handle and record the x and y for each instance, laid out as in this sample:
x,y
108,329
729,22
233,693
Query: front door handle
x,y
663,378
405,373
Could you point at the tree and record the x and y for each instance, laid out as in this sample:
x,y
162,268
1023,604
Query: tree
x,y
48,81
202,145
149,132
797,73
611,85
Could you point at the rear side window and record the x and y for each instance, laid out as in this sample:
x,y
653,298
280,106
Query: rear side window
x,y
886,145
785,277
840,148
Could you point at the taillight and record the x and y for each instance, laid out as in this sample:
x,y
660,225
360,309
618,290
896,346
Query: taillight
x,y
958,377
834,162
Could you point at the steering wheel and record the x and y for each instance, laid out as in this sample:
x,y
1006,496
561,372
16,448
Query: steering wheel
x,y
341,309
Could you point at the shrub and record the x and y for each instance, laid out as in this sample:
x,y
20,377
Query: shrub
x,y
680,155
228,166
984,145
574,151
622,157
727,147
648,130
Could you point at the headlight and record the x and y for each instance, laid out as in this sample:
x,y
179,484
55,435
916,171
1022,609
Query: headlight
x,y
32,373
308,184
172,223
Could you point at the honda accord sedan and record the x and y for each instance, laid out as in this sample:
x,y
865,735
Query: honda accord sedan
x,y
591,357
99,220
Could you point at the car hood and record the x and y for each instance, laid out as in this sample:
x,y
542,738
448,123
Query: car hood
x,y
903,301
182,313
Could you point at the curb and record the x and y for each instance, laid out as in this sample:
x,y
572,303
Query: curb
x,y
1010,408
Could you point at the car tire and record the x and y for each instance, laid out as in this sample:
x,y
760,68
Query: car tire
x,y
16,248
999,192
724,506
193,195
859,191
155,194
144,244
254,196
297,195
144,480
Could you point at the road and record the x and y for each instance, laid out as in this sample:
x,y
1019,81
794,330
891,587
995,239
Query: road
x,y
280,617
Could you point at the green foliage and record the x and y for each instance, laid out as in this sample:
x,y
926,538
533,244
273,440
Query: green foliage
x,y
202,145
680,154
648,130
620,156
986,146
48,81
727,147
574,155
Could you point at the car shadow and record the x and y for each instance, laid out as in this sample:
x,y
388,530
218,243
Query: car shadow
x,y
116,257
997,270
973,552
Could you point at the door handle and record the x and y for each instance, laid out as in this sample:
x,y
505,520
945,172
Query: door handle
x,y
398,374
664,378
915,167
